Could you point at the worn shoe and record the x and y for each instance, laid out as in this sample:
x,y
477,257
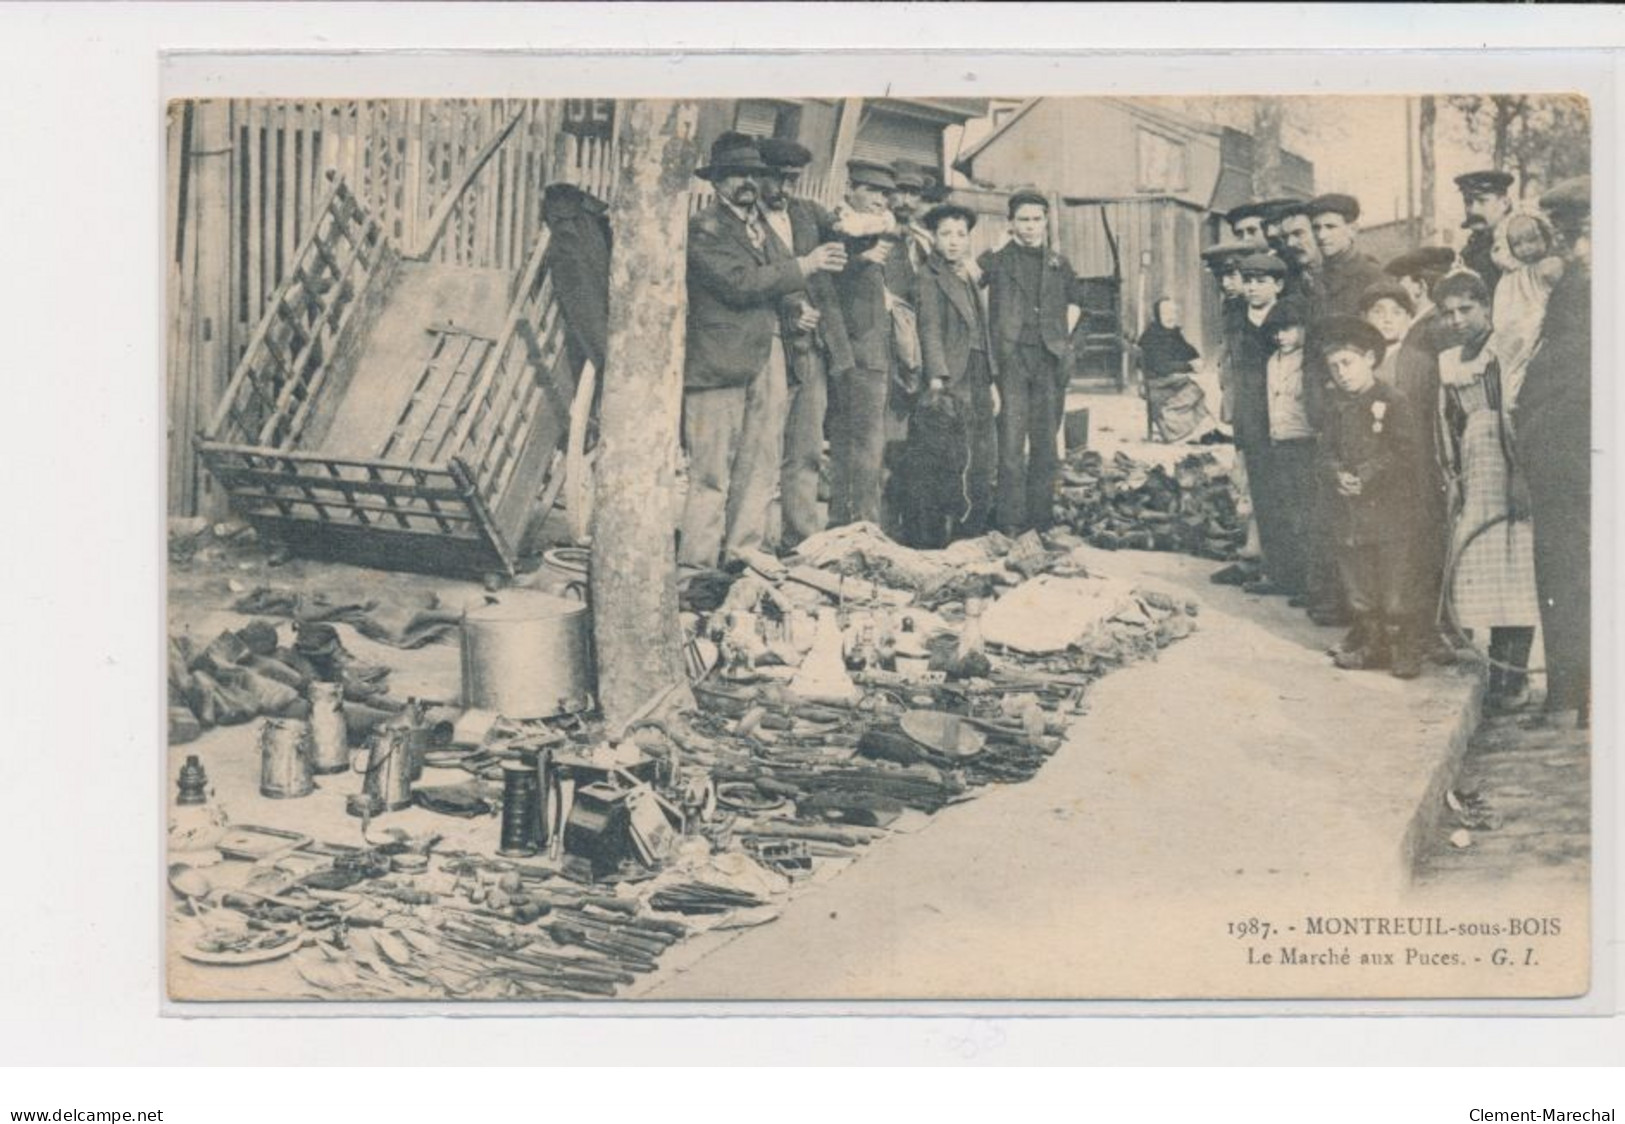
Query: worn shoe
x,y
1356,659
1233,574
1407,662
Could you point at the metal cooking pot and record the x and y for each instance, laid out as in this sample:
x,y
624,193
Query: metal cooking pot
x,y
528,655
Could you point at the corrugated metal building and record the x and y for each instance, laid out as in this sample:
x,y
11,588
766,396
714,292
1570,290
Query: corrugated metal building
x,y
1141,192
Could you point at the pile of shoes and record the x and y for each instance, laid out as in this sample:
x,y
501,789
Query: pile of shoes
x,y
1122,504
242,675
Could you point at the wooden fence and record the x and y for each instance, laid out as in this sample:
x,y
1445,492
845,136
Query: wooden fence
x,y
247,178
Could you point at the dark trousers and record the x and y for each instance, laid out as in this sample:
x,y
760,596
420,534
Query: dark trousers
x,y
1322,571
1377,585
857,428
1560,501
976,400
1281,481
1031,399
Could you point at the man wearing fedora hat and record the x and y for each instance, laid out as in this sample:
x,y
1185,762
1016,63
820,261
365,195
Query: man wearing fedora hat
x,y
1486,200
734,376
817,356
857,401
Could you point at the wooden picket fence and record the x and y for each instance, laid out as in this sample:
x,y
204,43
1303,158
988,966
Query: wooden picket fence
x,y
451,180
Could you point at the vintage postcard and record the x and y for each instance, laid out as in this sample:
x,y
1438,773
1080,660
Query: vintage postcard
x,y
879,548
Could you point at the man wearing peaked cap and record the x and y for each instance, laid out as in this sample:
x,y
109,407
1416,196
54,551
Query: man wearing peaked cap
x,y
734,367
871,173
817,355
1346,271
1485,199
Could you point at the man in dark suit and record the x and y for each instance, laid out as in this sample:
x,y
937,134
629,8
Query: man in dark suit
x,y
1030,288
734,377
857,402
1417,377
817,355
1485,198
1552,426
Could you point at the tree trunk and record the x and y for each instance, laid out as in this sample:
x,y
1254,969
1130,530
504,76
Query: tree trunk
x,y
1426,125
1267,180
633,566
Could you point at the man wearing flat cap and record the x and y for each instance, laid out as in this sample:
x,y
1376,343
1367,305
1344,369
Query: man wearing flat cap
x,y
734,369
1247,225
1552,429
1485,198
817,355
857,400
1030,288
1295,230
1346,271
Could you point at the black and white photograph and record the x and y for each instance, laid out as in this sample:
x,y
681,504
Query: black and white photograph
x,y
877,548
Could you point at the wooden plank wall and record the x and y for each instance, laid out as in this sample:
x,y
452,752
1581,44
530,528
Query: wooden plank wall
x,y
246,177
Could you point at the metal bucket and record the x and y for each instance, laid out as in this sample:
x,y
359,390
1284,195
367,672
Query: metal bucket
x,y
528,655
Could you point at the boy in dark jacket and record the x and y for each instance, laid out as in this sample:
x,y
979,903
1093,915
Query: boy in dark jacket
x,y
1365,454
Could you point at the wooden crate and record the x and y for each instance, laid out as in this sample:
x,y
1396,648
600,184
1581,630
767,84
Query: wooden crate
x,y
363,426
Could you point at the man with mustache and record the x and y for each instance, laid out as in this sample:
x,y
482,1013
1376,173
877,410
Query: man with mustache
x,y
1484,196
739,275
1300,252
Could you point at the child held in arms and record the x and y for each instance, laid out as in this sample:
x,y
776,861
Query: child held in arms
x,y
1364,453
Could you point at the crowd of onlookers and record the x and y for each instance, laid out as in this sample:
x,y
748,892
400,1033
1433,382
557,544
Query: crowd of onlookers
x,y
1413,436
939,380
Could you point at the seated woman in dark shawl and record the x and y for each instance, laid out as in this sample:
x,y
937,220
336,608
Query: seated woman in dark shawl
x,y
1175,402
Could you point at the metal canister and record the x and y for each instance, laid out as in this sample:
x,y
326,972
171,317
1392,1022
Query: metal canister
x,y
330,751
285,752
387,783
528,655
521,809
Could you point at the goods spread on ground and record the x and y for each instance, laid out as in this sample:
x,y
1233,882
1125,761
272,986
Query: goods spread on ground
x,y
422,849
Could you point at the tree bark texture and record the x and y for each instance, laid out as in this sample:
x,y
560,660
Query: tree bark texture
x,y
1427,118
637,636
1267,148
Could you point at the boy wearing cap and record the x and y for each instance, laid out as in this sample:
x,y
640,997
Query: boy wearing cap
x,y
857,400
1365,448
734,373
1485,201
1030,288
1286,483
957,352
1249,351
1346,271
818,354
